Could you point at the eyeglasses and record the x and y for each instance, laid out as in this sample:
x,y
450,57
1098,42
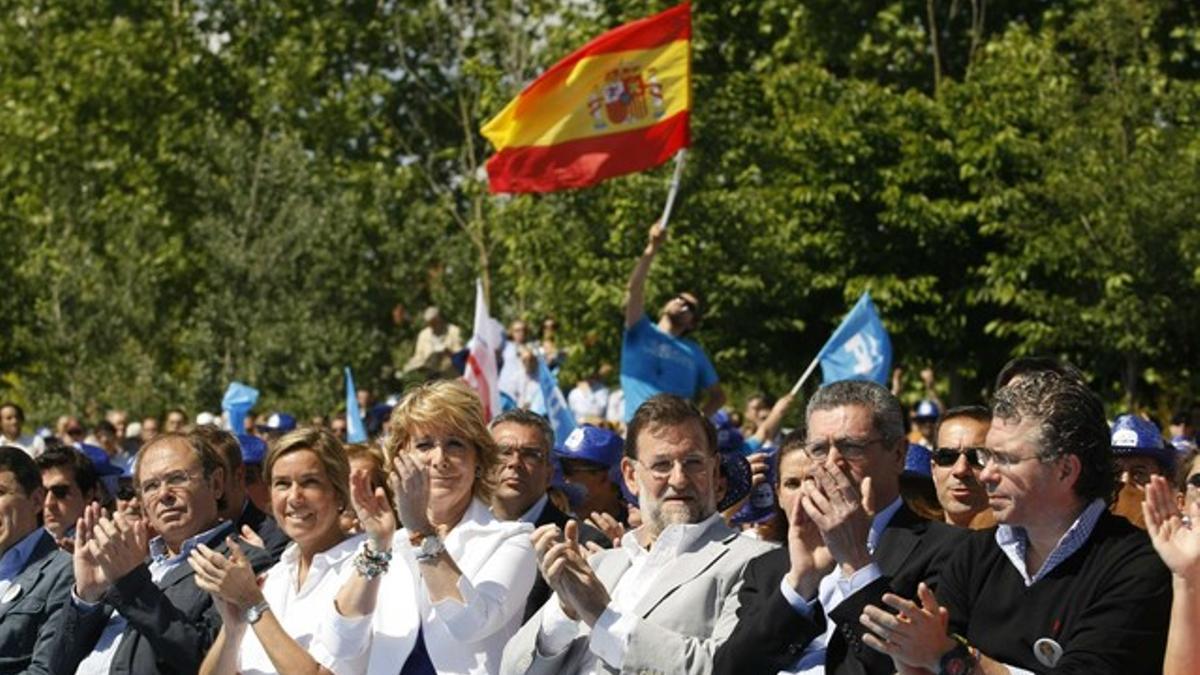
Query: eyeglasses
x,y
1194,481
59,491
1004,459
949,456
173,481
529,454
852,449
692,465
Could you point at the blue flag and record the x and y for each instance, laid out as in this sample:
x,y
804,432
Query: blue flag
x,y
859,349
238,401
554,406
356,432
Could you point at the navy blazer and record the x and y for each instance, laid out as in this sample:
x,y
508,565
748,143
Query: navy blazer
x,y
771,636
26,628
171,624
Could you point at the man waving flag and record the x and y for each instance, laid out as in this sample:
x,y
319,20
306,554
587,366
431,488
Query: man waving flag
x,y
617,105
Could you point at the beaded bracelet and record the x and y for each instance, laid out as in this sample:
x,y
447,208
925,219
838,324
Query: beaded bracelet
x,y
370,564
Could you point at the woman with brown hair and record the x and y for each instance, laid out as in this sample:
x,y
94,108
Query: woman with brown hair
x,y
446,592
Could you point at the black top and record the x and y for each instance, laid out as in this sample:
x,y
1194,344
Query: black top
x,y
1107,605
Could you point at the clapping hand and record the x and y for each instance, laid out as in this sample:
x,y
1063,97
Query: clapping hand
x,y
375,515
231,581
1177,541
611,527
916,636
563,563
410,481
810,558
106,549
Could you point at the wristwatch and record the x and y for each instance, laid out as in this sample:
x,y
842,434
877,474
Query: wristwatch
x,y
429,546
958,661
256,612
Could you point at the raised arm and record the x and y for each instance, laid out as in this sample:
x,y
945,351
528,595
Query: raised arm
x,y
766,430
635,301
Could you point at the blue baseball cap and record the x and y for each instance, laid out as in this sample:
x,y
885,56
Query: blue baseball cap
x,y
729,437
926,410
917,460
593,444
254,449
100,460
736,470
279,421
1132,435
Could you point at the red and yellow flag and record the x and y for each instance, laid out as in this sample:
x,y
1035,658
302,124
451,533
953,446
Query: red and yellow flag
x,y
617,105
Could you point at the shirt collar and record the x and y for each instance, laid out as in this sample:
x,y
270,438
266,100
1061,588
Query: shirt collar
x,y
880,522
535,511
1014,541
16,557
675,539
160,554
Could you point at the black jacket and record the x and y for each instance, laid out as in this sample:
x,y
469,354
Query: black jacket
x,y
274,539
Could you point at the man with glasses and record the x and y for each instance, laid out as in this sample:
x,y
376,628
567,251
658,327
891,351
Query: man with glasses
x,y
525,439
71,484
135,606
658,357
1061,585
667,596
799,619
956,464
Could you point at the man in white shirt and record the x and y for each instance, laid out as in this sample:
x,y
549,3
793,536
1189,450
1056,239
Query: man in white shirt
x,y
667,597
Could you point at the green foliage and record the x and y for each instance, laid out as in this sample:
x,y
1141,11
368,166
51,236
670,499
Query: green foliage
x,y
192,193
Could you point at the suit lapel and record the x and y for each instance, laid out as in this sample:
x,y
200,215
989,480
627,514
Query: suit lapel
x,y
898,540
28,579
688,566
183,570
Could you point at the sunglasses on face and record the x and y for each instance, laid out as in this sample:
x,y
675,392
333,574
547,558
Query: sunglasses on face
x,y
59,491
126,493
949,456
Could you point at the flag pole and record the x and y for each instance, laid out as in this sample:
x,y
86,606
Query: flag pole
x,y
800,383
674,190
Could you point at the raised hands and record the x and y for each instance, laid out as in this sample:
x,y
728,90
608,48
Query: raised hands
x,y
658,235
842,513
1177,541
611,527
916,636
375,515
106,549
563,563
230,580
410,481
810,557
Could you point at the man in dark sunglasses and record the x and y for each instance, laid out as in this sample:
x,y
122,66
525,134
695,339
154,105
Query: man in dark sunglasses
x,y
956,463
658,357
71,483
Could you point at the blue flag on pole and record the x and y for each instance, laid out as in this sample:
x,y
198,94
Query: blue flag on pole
x,y
238,401
555,406
859,349
356,432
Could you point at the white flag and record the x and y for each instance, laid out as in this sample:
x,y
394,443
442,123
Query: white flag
x,y
480,371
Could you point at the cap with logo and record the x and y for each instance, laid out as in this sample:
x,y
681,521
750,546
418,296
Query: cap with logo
x,y
592,444
926,410
281,422
1132,435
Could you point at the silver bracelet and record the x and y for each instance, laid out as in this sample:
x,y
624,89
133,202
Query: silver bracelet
x,y
370,564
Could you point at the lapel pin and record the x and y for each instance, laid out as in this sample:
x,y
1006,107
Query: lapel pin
x,y
1047,651
11,594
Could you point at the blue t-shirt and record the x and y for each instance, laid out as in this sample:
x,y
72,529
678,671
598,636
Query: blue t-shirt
x,y
654,362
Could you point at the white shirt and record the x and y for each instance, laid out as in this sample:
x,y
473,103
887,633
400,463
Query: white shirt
x,y
833,589
609,639
498,568
589,399
300,610
34,446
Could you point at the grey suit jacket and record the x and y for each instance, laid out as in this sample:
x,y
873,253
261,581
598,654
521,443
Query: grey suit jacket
x,y
680,621
26,631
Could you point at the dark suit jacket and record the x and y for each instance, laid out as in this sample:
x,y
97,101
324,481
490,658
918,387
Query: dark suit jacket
x,y
771,636
274,539
26,629
171,624
541,592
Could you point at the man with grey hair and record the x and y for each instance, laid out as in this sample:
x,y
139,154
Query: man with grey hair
x,y
799,618
524,439
1061,585
666,598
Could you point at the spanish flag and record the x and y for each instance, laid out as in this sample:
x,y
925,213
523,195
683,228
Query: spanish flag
x,y
617,105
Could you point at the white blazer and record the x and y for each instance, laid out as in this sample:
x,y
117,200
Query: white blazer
x,y
498,569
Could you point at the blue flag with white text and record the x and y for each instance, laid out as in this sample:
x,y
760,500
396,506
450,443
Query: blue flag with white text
x,y
356,431
555,406
859,349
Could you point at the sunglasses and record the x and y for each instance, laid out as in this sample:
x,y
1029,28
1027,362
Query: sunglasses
x,y
126,493
949,456
59,491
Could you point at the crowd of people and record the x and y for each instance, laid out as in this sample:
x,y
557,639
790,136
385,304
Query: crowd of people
x,y
1027,534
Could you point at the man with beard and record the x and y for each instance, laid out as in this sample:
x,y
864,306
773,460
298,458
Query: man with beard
x,y
659,358
668,596
956,464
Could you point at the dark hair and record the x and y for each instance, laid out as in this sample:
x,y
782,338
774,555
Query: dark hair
x,y
22,466
66,456
105,427
667,410
526,418
887,415
224,443
1185,468
1070,420
792,441
979,413
17,408
1027,365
